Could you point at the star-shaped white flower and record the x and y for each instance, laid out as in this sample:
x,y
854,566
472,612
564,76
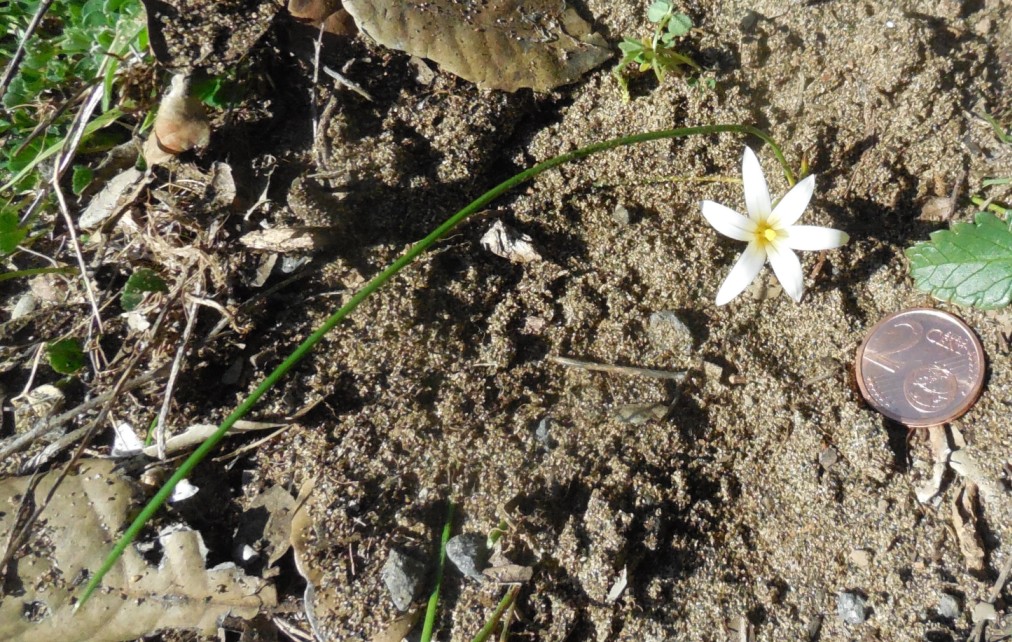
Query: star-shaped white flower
x,y
769,231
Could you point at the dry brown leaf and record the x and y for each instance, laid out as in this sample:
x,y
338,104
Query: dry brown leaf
x,y
964,521
499,44
509,573
399,628
289,239
87,512
510,244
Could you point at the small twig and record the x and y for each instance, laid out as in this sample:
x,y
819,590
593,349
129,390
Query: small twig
x,y
341,80
996,590
12,66
957,191
313,107
31,375
42,426
677,375
173,373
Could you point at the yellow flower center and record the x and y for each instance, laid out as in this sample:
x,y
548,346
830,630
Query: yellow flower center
x,y
766,234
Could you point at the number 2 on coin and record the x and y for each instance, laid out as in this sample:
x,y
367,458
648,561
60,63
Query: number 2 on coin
x,y
907,335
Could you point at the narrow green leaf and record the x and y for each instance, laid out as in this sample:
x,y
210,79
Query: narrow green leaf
x,y
66,356
11,233
968,264
140,282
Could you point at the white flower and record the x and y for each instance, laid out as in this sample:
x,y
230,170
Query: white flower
x,y
769,231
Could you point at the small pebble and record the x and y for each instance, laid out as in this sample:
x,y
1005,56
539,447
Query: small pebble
x,y
468,553
828,457
621,214
851,607
543,433
948,606
668,332
860,558
403,577
984,612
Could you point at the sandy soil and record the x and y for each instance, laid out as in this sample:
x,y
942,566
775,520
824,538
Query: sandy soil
x,y
433,390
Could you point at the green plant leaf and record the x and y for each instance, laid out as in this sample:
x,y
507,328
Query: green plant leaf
x,y
83,175
139,283
65,356
10,232
968,264
658,10
679,25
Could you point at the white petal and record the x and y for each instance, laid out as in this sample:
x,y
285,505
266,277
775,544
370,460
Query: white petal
x,y
787,267
743,272
728,222
757,195
793,204
810,237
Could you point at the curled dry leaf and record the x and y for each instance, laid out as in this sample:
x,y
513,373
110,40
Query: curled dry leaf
x,y
508,243
289,239
181,124
498,44
138,598
964,521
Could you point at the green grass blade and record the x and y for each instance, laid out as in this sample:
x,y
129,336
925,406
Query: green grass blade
x,y
376,283
102,120
433,607
493,621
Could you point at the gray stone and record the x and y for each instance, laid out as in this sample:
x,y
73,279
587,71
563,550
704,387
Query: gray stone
x,y
403,576
543,433
851,607
621,214
468,553
668,332
949,606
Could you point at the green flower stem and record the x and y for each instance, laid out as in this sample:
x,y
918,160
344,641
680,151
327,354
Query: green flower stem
x,y
6,276
432,608
378,281
504,603
997,208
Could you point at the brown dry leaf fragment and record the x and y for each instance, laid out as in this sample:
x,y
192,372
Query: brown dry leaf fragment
x,y
501,44
266,526
508,243
87,512
106,202
509,573
399,628
289,239
964,521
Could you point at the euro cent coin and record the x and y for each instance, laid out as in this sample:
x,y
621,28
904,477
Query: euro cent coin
x,y
921,367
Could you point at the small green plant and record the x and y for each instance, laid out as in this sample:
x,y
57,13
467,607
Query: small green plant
x,y
65,356
656,52
968,264
140,283
80,43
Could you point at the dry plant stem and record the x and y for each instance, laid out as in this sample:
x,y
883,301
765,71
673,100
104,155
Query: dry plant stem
x,y
622,370
96,315
43,426
996,590
163,414
314,108
12,66
376,283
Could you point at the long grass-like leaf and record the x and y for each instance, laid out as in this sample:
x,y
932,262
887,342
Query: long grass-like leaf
x,y
376,283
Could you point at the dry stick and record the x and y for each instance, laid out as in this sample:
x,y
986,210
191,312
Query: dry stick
x,y
978,628
677,375
15,62
173,373
42,426
62,162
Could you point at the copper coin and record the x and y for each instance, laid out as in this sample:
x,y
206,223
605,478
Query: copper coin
x,y
921,367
